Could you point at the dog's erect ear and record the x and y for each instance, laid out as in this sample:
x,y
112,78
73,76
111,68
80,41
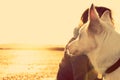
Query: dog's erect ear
x,y
106,16
94,20
93,13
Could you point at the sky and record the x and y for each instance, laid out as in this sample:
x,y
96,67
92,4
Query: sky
x,y
46,21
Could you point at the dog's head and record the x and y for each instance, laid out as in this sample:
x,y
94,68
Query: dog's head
x,y
94,35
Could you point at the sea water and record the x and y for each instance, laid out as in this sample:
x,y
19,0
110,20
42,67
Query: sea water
x,y
29,64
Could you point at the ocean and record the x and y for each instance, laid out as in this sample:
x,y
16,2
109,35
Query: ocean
x,y
29,64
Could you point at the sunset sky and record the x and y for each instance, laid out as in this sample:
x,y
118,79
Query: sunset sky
x,y
45,21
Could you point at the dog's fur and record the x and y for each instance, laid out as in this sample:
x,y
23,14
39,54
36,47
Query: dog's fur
x,y
100,42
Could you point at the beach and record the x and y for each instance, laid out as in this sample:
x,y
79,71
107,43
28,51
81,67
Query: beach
x,y
29,64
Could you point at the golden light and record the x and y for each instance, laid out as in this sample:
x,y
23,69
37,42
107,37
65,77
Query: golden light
x,y
27,61
22,62
41,22
29,64
45,21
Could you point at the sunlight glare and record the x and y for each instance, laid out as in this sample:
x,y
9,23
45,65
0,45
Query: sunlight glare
x,y
24,61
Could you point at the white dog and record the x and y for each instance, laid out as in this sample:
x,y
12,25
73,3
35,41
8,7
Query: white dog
x,y
101,43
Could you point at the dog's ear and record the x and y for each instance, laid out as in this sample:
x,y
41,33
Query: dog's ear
x,y
106,16
93,15
94,25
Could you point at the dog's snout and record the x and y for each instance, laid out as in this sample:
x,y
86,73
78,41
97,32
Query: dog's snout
x,y
71,50
68,49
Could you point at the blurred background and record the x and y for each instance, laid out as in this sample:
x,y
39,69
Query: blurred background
x,y
34,32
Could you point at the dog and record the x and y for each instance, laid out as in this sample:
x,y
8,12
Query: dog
x,y
100,42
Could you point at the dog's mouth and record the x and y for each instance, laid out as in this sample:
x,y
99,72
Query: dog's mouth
x,y
68,52
75,53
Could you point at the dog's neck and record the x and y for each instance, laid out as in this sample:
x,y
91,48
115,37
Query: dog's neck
x,y
115,65
110,53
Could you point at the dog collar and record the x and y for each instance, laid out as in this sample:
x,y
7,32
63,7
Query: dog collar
x,y
113,67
